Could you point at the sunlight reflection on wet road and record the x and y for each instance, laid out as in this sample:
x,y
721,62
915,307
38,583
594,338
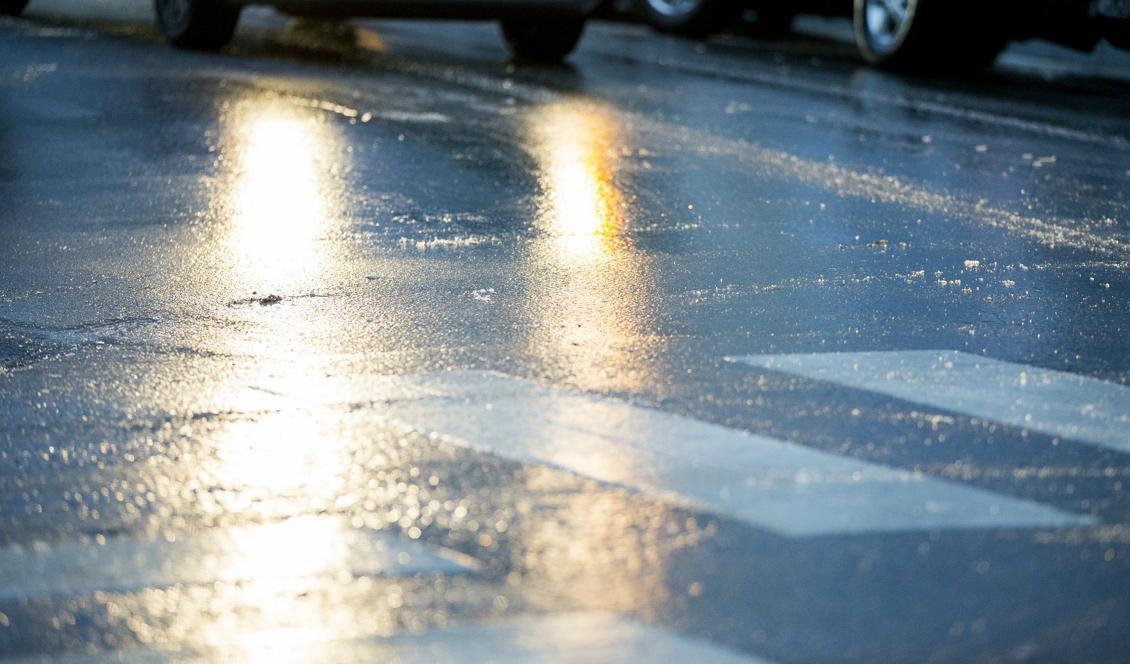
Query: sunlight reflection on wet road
x,y
224,429
592,288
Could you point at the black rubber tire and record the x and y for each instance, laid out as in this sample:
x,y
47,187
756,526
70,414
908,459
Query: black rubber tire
x,y
202,25
1115,31
542,39
12,7
704,17
938,38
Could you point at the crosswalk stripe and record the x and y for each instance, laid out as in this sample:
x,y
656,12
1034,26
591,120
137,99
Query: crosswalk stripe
x,y
1052,402
299,547
783,487
566,638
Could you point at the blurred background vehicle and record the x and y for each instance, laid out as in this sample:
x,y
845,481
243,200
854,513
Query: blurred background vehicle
x,y
12,7
540,30
933,35
763,18
908,35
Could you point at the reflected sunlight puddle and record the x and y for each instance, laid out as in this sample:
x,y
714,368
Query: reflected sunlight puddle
x,y
591,299
577,147
291,581
276,464
590,315
260,558
281,198
277,459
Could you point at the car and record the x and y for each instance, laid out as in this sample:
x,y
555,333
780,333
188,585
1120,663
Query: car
x,y
952,35
12,7
537,30
767,18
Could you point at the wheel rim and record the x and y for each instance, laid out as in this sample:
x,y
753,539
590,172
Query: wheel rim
x,y
887,21
674,8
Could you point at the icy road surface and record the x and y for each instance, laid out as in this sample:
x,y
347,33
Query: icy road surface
x,y
357,342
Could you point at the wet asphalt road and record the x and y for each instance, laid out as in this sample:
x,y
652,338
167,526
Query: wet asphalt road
x,y
358,342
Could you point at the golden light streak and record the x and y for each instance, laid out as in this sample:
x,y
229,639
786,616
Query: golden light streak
x,y
279,202
577,148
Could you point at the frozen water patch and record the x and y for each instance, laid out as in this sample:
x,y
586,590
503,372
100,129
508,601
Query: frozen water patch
x,y
881,188
949,107
449,243
53,31
19,349
1049,230
434,231
564,638
298,548
425,117
351,113
323,105
32,73
111,331
25,344
567,638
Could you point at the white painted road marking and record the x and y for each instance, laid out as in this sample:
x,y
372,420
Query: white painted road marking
x,y
569,638
783,487
1052,402
297,548
566,638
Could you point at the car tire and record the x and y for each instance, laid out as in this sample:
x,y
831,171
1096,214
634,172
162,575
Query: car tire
x,y
938,36
542,39
690,18
202,25
12,7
